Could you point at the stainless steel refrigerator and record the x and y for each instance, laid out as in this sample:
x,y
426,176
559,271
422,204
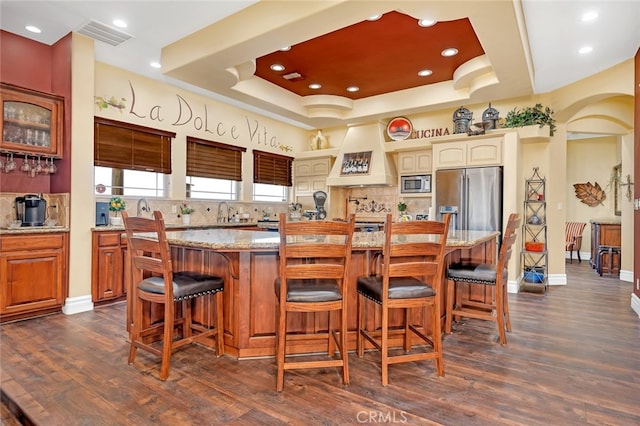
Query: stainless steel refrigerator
x,y
473,196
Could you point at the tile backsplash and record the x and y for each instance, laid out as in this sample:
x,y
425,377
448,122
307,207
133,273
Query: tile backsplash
x,y
57,207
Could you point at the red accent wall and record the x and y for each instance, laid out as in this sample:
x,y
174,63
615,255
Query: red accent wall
x,y
37,66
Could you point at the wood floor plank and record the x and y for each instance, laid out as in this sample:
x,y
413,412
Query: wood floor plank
x,y
571,359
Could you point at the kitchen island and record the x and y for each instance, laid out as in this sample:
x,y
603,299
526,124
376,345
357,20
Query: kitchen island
x,y
248,262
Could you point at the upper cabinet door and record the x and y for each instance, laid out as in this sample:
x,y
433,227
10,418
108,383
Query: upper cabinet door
x,y
31,121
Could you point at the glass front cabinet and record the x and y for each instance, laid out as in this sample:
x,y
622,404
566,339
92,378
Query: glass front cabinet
x,y
31,122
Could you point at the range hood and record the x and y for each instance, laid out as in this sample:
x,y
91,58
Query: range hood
x,y
358,141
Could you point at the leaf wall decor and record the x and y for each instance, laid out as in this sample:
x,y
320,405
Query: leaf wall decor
x,y
591,195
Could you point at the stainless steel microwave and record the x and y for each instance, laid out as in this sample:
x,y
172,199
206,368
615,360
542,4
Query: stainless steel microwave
x,y
415,184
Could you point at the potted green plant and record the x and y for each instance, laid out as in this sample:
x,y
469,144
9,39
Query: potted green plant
x,y
116,204
536,115
402,208
185,211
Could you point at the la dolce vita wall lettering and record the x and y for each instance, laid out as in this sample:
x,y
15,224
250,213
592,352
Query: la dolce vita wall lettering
x,y
187,115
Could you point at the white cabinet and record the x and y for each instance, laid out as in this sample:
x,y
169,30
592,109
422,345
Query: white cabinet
x,y
415,162
469,153
310,175
312,167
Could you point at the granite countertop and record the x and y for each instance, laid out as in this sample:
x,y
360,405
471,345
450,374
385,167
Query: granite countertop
x,y
33,230
169,226
228,239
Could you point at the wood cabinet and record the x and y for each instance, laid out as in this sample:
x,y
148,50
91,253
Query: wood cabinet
x,y
108,266
415,162
32,121
471,152
34,274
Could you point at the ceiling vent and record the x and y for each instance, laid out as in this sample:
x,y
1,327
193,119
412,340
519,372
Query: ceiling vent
x,y
104,33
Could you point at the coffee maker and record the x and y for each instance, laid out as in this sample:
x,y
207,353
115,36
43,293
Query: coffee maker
x,y
319,198
31,210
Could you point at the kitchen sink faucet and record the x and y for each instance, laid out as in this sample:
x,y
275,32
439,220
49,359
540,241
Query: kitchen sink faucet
x,y
221,218
143,206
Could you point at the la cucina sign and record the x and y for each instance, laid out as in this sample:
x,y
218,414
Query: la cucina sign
x,y
400,128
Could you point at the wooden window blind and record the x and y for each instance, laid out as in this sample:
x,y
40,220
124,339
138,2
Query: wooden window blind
x,y
272,169
216,160
128,146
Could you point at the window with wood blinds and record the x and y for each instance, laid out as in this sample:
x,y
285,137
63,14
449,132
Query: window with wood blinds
x,y
127,146
216,160
272,169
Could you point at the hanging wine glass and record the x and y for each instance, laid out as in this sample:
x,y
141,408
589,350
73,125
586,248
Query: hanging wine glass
x,y
25,167
52,167
11,164
39,167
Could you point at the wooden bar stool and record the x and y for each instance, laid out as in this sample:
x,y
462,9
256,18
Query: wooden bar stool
x,y
156,282
484,274
608,261
314,265
411,277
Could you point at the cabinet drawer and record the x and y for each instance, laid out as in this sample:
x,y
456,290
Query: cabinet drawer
x,y
31,242
108,239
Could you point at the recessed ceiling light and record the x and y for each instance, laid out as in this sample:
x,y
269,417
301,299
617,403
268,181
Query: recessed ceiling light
x,y
277,67
353,89
155,65
425,73
584,50
119,23
589,16
285,49
374,17
33,29
450,52
427,22
315,86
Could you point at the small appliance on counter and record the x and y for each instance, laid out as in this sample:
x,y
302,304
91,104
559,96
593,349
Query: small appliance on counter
x,y
102,213
31,210
319,198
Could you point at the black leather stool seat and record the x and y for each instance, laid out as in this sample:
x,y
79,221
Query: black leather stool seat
x,y
186,285
478,273
312,290
399,288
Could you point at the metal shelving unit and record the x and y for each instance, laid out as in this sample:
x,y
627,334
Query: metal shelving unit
x,y
534,236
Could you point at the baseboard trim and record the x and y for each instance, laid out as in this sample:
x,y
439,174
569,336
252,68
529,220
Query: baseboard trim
x,y
626,276
635,303
76,305
557,279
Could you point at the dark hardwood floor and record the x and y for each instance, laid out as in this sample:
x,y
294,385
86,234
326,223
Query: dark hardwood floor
x,y
572,359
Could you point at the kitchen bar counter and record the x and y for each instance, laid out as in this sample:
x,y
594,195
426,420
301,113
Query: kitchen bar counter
x,y
248,262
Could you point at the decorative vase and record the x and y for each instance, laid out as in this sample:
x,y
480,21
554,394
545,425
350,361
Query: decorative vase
x,y
186,219
115,220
